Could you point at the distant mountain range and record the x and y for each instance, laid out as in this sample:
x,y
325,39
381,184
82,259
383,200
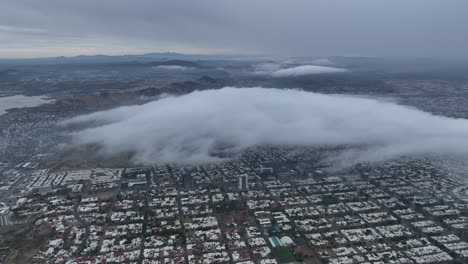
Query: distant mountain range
x,y
93,59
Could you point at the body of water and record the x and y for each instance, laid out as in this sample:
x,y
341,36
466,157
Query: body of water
x,y
19,101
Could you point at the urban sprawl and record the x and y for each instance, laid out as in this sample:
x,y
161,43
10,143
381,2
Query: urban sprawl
x,y
269,206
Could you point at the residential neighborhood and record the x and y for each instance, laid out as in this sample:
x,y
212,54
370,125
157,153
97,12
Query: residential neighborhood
x,y
264,208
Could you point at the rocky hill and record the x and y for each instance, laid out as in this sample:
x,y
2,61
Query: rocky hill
x,y
108,99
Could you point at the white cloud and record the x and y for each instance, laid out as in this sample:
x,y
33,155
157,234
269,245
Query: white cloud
x,y
281,70
191,127
306,70
171,67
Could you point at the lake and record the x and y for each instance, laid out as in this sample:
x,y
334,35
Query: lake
x,y
18,101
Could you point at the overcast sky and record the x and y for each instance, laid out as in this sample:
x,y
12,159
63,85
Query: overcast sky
x,y
32,28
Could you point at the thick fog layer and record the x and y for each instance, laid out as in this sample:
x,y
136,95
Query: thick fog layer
x,y
193,127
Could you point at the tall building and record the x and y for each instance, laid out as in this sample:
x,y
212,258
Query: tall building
x,y
187,180
244,182
5,216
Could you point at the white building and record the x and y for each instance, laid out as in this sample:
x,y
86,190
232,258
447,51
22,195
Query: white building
x,y
244,182
21,201
5,216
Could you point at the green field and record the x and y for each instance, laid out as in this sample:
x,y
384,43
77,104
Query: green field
x,y
284,255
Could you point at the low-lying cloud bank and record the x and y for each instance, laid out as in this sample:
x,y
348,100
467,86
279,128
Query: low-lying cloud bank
x,y
277,70
172,67
190,128
306,70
